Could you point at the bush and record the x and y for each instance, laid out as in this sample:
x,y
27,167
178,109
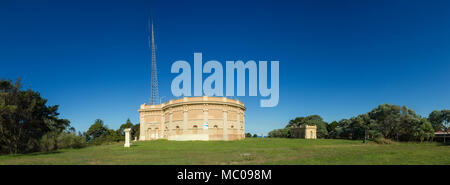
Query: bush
x,y
280,133
71,140
53,141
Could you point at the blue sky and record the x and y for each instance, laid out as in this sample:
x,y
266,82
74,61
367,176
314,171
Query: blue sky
x,y
337,58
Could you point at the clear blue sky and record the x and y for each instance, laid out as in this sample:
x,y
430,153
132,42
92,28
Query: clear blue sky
x,y
337,58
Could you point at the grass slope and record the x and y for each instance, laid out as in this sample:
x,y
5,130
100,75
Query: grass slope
x,y
248,151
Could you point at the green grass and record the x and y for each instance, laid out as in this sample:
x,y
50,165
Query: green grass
x,y
248,151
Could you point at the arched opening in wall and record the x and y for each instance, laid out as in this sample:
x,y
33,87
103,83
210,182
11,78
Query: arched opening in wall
x,y
216,129
177,130
166,131
156,134
149,133
195,129
311,136
233,131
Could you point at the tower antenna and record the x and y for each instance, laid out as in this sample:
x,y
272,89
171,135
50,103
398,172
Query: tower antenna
x,y
154,97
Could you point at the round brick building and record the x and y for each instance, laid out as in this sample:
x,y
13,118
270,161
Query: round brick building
x,y
193,118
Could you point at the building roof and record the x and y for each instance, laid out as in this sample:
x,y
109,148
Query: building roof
x,y
193,100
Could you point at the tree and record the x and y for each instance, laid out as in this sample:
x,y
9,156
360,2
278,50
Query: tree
x,y
359,126
122,127
332,126
423,130
135,130
440,120
254,135
24,118
387,121
248,135
111,136
342,130
446,124
280,133
57,126
436,119
311,120
96,130
98,133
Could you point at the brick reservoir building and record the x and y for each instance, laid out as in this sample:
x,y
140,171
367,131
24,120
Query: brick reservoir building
x,y
193,118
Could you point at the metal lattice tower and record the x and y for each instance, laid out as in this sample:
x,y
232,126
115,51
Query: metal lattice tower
x,y
154,99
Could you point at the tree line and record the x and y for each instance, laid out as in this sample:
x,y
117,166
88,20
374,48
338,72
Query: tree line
x,y
99,133
248,135
386,121
28,124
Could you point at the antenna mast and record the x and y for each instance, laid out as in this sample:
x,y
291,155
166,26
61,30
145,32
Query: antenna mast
x,y
154,99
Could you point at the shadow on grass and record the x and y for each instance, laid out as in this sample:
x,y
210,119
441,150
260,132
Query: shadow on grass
x,y
36,153
444,144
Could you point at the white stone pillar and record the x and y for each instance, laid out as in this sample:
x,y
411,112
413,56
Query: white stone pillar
x,y
127,137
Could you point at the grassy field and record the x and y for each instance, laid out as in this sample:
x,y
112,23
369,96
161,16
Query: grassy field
x,y
248,151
